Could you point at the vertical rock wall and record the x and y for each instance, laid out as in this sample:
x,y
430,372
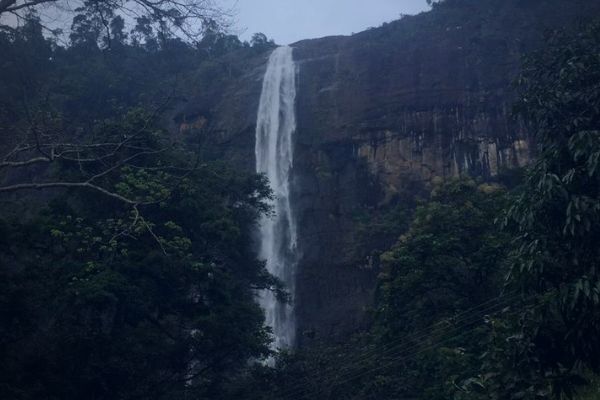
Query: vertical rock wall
x,y
381,113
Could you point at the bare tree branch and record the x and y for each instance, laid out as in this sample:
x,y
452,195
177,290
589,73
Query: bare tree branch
x,y
49,185
24,163
185,18
104,157
156,238
11,5
6,4
129,229
123,163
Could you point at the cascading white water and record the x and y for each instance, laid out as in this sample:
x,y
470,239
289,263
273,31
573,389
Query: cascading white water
x,y
275,126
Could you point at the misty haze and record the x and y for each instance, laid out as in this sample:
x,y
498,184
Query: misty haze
x,y
283,200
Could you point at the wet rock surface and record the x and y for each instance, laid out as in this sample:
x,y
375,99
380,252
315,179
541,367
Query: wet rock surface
x,y
382,113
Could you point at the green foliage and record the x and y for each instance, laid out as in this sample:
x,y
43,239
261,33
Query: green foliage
x,y
106,300
104,72
450,260
591,392
473,309
156,299
553,337
260,41
447,260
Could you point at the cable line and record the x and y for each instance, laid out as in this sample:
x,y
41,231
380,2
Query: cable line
x,y
460,321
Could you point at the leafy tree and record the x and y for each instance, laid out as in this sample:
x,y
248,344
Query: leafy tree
x,y
450,262
102,301
553,337
85,30
139,279
429,324
117,29
187,17
215,43
260,41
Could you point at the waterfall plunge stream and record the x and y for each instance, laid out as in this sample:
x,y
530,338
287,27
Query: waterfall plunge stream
x,y
275,126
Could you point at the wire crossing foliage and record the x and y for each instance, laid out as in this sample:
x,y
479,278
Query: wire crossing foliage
x,y
128,266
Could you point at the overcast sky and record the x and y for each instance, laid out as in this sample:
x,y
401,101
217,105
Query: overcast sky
x,y
288,21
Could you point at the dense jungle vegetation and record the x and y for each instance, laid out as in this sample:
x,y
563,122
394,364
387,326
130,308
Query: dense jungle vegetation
x,y
128,268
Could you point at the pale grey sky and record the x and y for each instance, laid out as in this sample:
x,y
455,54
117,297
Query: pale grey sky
x,y
288,21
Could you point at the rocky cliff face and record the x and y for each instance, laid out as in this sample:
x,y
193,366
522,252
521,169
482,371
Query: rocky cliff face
x,y
381,114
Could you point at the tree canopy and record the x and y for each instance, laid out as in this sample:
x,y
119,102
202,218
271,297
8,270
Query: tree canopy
x,y
127,263
128,268
186,17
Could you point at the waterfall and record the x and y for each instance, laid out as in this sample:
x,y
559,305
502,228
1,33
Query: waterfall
x,y
275,126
